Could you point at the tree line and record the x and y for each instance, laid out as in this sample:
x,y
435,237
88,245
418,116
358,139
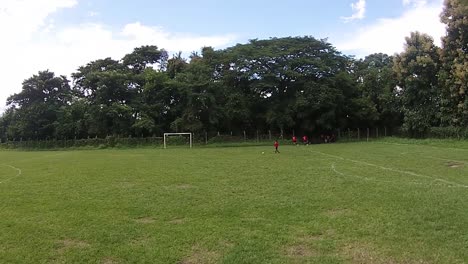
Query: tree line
x,y
294,83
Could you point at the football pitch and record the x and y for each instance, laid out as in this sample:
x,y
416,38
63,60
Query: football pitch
x,y
392,201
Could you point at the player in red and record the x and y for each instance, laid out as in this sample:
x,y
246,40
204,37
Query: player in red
x,y
276,146
305,140
294,140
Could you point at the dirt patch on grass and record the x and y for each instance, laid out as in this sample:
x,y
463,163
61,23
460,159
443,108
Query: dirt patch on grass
x,y
365,254
140,241
67,244
300,251
253,219
361,253
200,255
145,220
226,244
337,212
177,221
184,187
305,245
310,238
109,260
454,165
180,187
328,233
126,185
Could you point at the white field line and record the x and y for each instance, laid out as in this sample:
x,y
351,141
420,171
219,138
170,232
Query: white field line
x,y
333,168
19,172
394,170
421,145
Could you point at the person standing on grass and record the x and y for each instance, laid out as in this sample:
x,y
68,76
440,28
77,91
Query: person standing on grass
x,y
305,140
294,140
276,146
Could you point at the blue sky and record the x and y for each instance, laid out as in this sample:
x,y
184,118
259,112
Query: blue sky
x,y
61,35
243,18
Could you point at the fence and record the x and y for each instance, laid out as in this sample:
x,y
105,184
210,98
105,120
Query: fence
x,y
256,137
366,134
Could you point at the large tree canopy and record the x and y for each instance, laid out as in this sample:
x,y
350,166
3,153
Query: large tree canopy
x,y
34,111
454,74
416,69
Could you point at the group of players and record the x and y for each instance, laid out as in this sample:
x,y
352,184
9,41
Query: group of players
x,y
305,140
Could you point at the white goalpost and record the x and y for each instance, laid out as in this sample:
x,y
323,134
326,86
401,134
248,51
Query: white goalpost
x,y
177,134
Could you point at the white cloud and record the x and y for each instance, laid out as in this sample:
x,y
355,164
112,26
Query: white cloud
x,y
20,19
414,2
93,14
359,10
388,34
34,42
139,34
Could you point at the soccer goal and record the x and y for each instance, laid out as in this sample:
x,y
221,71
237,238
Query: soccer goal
x,y
167,135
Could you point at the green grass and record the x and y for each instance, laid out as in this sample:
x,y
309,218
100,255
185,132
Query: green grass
x,y
392,201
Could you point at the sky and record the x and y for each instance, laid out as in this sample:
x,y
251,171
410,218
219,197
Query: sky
x,y
61,35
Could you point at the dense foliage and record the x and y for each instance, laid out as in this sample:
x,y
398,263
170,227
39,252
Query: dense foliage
x,y
295,83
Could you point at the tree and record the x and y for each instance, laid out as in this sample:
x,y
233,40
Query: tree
x,y
198,107
176,65
157,104
417,70
277,71
109,88
144,56
34,109
377,83
8,127
454,56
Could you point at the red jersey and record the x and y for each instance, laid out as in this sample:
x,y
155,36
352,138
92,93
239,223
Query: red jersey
x,y
304,138
276,144
294,139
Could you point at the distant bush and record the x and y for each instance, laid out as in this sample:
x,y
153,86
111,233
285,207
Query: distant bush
x,y
224,139
178,140
448,132
101,143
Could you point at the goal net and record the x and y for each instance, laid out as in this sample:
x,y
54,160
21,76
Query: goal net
x,y
177,138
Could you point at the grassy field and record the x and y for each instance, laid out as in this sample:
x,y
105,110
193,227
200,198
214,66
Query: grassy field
x,y
391,201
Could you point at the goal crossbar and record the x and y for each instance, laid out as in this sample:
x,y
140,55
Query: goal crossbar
x,y
177,134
